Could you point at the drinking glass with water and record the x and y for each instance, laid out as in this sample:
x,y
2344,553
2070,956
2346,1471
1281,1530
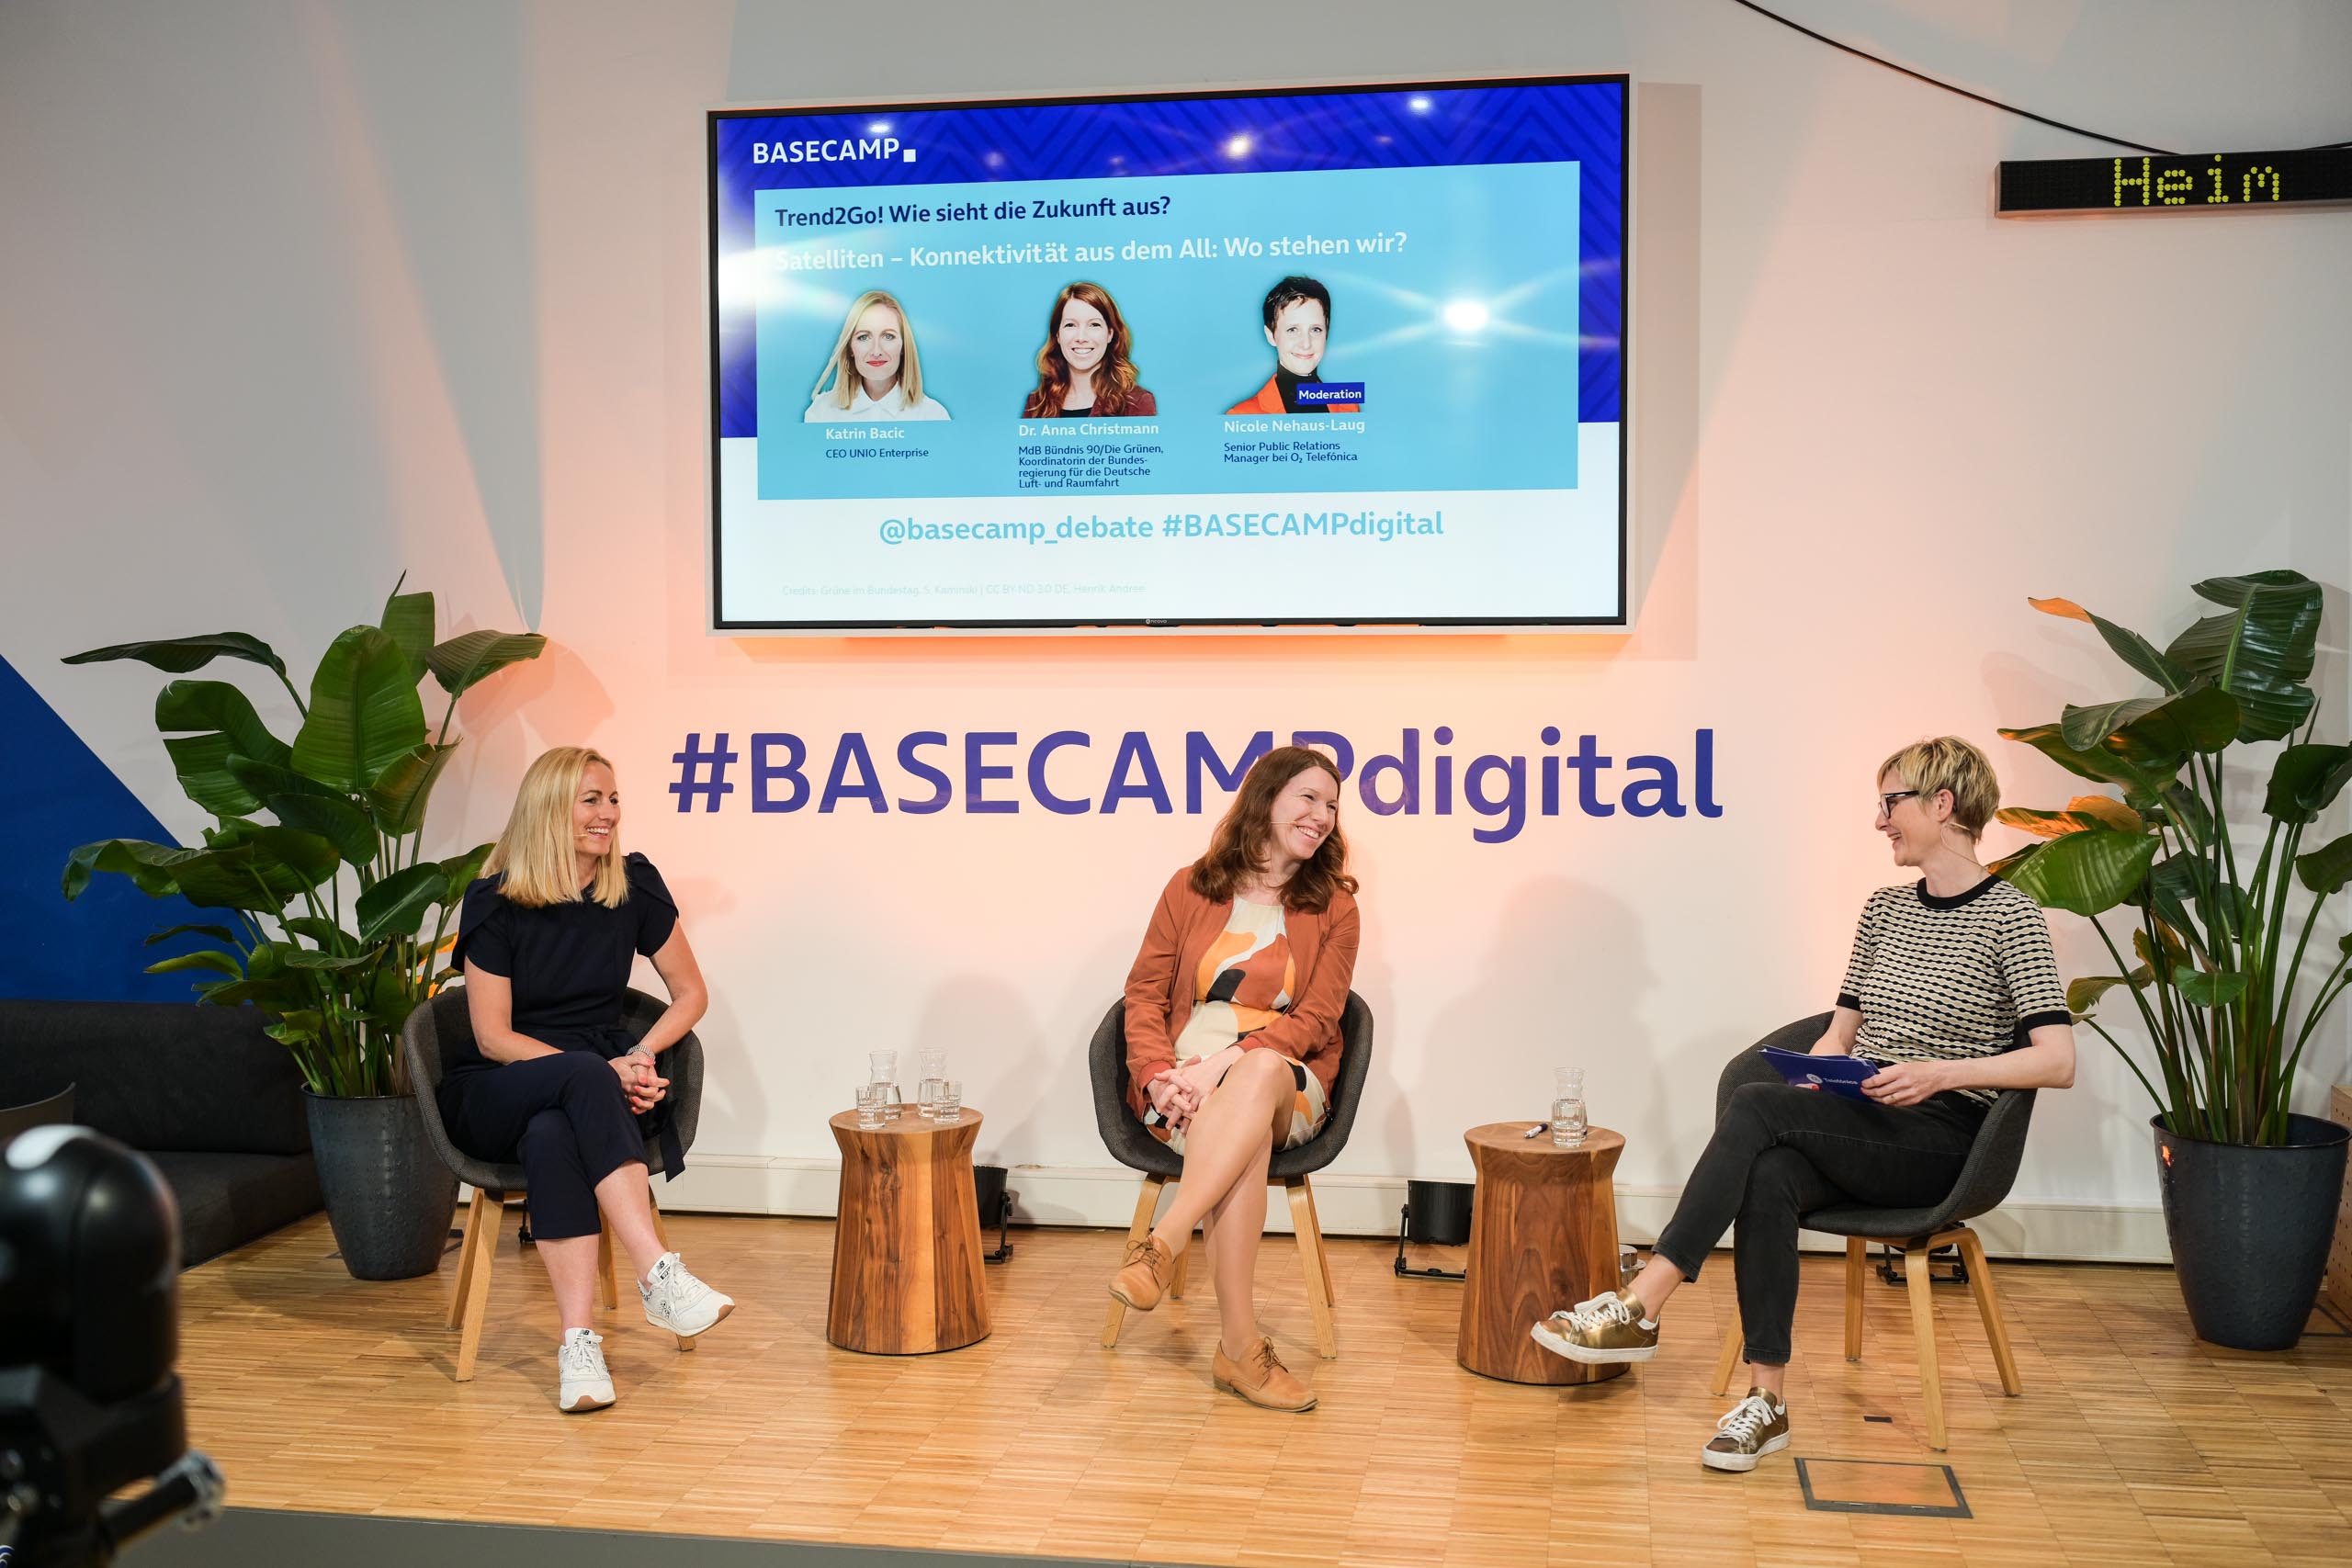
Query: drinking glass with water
x,y
933,1074
1568,1122
882,1069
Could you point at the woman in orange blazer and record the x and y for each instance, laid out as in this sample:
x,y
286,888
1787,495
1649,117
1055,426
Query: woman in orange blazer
x,y
1233,1039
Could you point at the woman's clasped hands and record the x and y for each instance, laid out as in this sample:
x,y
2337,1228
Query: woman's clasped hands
x,y
1179,1095
641,1079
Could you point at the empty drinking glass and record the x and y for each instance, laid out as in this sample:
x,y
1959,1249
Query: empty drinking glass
x,y
934,1072
871,1099
1567,1109
882,1068
951,1101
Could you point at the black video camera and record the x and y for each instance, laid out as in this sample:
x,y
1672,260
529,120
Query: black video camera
x,y
89,1331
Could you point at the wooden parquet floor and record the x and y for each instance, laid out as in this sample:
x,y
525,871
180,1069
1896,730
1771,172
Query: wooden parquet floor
x,y
2134,1444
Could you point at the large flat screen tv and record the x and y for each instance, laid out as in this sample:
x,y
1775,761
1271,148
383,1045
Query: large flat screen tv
x,y
1317,355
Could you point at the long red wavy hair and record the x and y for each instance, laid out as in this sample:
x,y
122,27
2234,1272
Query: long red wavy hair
x,y
1239,846
1113,379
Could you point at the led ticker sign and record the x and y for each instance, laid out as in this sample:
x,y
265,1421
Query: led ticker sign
x,y
2173,182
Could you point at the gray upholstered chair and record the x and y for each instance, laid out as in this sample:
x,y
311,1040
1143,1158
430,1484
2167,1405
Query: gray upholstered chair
x,y
1984,1180
1135,1148
438,1033
53,1110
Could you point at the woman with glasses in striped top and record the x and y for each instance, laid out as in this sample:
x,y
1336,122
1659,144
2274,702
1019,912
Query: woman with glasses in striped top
x,y
1947,971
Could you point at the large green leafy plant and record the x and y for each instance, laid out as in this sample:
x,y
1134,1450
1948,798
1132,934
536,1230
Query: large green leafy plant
x,y
2221,938
326,901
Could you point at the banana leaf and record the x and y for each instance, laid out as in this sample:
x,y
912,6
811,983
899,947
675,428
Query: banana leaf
x,y
365,713
397,796
152,868
395,907
206,958
179,655
2087,873
2129,646
2305,782
2261,648
2327,868
461,664
408,621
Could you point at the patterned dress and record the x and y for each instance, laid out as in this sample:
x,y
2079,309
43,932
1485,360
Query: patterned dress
x,y
1244,981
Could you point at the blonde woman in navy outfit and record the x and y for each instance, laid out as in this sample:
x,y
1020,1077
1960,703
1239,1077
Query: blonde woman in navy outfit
x,y
546,941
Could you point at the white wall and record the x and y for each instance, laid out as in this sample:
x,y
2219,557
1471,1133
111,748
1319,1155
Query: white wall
x,y
299,296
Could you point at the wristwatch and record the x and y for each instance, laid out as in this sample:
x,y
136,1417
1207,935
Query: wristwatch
x,y
639,1049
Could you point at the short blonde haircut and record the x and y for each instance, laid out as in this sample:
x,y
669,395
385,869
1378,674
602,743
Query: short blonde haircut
x,y
1949,763
536,851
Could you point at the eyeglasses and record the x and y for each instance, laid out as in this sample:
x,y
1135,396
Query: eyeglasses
x,y
1886,803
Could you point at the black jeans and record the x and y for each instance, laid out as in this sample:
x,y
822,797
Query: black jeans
x,y
1779,1151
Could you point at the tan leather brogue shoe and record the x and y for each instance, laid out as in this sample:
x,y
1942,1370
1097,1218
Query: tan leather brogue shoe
x,y
1261,1379
1145,1277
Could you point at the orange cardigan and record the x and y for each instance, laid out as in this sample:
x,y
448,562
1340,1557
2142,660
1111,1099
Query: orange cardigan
x,y
1159,986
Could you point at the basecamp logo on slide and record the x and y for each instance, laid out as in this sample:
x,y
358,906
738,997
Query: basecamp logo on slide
x,y
833,150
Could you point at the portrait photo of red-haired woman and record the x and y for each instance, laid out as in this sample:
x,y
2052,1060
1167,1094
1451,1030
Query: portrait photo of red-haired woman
x,y
1086,369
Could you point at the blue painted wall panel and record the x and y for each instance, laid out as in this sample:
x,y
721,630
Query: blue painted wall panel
x,y
55,794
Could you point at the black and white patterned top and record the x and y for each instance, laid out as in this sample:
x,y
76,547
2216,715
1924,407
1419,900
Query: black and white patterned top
x,y
1939,978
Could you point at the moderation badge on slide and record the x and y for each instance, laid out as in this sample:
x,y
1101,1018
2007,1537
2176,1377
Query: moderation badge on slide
x,y
1330,394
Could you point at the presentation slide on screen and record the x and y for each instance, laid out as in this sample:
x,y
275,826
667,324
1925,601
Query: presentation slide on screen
x,y
1306,356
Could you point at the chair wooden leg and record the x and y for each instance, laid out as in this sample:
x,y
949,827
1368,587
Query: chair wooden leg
x,y
1310,1257
1147,1204
607,1286
1858,1268
1734,1341
481,1240
1923,1329
474,1212
1321,1248
1988,1306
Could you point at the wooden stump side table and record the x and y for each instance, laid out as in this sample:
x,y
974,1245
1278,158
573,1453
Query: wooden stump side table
x,y
1543,1236
907,1267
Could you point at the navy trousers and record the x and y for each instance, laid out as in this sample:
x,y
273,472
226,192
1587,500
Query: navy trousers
x,y
564,1119
1779,1150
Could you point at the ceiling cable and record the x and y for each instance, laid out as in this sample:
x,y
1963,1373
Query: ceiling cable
x,y
1979,97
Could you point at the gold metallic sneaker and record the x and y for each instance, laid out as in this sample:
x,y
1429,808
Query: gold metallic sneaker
x,y
1757,1425
1603,1331
1261,1379
1145,1277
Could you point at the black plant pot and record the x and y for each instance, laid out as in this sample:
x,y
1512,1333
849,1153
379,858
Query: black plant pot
x,y
2250,1229
388,1196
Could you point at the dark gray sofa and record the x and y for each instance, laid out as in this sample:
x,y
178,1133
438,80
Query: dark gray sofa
x,y
200,1091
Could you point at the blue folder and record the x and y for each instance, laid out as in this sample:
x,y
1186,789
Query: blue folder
x,y
1838,1074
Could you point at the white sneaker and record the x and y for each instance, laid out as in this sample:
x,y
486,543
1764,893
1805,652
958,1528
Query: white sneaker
x,y
587,1385
678,1301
